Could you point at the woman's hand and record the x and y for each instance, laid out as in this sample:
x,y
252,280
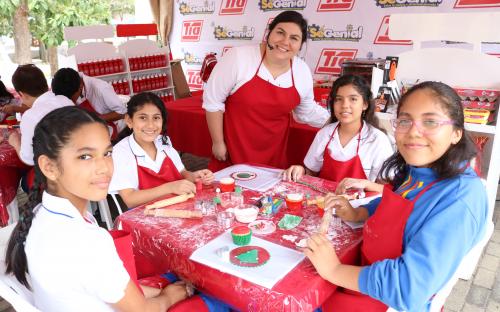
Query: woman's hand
x,y
343,208
206,176
181,187
322,255
294,173
175,292
219,150
349,183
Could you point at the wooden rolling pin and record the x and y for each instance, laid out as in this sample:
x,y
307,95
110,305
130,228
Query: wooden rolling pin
x,y
325,221
169,201
174,213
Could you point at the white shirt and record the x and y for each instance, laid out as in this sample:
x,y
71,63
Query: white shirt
x,y
102,96
374,149
238,66
73,264
43,105
124,158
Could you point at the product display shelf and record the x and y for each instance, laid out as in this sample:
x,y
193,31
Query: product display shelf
x,y
465,68
140,52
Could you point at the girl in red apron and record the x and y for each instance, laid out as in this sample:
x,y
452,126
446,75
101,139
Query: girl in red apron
x,y
352,146
56,236
146,165
255,124
429,217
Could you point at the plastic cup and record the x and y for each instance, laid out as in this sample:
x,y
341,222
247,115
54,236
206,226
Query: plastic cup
x,y
227,185
294,201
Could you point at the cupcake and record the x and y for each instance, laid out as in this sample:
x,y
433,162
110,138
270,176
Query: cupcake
x,y
241,235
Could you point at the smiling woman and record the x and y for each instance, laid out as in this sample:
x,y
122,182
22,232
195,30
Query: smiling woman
x,y
251,93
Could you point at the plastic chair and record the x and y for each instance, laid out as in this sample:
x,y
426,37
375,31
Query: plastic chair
x,y
11,290
105,212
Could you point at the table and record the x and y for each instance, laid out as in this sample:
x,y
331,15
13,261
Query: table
x,y
187,128
12,169
167,243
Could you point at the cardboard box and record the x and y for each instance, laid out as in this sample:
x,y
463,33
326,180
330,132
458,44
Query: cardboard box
x,y
180,82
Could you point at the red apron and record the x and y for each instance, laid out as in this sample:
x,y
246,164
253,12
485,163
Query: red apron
x,y
335,170
149,179
86,105
386,225
257,122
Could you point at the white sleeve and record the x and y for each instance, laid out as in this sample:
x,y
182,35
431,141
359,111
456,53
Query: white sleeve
x,y
308,111
222,80
109,278
174,156
27,129
314,157
125,169
383,151
105,94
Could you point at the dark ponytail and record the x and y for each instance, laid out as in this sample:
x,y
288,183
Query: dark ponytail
x,y
135,103
51,135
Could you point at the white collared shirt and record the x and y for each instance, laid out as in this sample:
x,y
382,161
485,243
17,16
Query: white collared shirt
x,y
73,264
125,175
374,149
238,66
43,105
101,96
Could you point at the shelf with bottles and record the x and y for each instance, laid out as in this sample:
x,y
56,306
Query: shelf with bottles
x,y
102,67
121,86
166,94
157,81
148,62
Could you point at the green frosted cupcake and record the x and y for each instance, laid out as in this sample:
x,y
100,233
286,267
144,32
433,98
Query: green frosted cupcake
x,y
241,235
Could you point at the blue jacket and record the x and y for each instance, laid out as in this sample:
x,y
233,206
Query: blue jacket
x,y
446,222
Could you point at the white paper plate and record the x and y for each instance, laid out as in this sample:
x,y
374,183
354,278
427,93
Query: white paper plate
x,y
262,227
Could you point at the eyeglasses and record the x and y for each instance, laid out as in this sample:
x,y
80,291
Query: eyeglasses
x,y
426,126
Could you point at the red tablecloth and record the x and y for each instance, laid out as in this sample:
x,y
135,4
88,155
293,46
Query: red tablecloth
x,y
188,130
167,243
11,170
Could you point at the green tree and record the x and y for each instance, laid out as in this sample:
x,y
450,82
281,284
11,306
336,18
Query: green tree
x,y
14,22
121,7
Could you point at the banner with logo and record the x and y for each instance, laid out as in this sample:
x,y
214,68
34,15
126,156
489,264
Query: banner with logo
x,y
338,30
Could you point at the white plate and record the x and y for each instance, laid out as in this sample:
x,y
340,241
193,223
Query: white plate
x,y
262,227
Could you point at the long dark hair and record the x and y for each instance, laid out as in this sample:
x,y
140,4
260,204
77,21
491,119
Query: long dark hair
x,y
135,103
290,17
4,93
363,89
52,133
451,163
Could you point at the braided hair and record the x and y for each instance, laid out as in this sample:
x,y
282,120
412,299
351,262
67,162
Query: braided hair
x,y
52,133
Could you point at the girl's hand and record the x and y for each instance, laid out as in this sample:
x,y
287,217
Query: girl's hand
x,y
206,176
220,151
181,187
175,292
294,173
15,139
349,183
343,208
322,255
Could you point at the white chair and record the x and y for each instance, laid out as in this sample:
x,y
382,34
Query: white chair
x,y
11,290
103,207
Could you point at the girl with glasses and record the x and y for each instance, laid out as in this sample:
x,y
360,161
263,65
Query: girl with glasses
x,y
429,217
351,148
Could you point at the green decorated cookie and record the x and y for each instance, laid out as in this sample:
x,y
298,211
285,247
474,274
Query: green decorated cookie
x,y
241,235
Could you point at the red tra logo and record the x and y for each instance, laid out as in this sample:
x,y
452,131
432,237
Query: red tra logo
x,y
194,79
191,30
232,7
330,60
225,49
464,4
383,34
335,5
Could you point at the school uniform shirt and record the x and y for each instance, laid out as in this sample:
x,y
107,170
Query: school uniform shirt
x,y
125,154
374,149
43,105
101,95
238,66
73,263
446,222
